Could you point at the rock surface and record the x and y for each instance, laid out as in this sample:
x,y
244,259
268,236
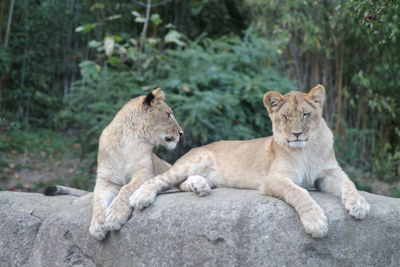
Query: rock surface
x,y
227,228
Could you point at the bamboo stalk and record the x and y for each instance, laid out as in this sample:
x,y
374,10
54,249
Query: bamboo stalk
x,y
146,24
1,17
10,15
339,73
7,37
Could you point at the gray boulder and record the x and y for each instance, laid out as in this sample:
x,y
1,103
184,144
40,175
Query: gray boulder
x,y
227,228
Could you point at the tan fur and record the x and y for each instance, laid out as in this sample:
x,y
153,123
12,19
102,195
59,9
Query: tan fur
x,y
126,159
281,165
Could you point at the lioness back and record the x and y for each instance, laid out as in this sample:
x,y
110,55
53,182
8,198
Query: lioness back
x,y
236,158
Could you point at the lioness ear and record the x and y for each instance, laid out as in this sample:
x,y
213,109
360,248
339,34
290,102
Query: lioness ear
x,y
154,96
272,99
317,94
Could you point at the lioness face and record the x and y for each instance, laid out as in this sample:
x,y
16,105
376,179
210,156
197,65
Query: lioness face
x,y
295,116
161,121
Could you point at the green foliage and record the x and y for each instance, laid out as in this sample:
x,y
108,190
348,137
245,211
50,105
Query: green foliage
x,y
395,193
361,186
26,139
352,48
216,86
353,148
379,18
93,56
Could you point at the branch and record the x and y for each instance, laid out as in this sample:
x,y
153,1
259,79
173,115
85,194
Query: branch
x,y
10,14
146,23
153,5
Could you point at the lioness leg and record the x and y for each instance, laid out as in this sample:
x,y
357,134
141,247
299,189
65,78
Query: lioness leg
x,y
197,184
311,214
336,182
104,192
190,164
119,210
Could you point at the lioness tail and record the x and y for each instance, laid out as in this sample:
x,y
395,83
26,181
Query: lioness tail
x,y
56,190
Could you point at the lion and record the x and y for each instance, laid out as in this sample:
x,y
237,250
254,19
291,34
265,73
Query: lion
x,y
125,160
300,154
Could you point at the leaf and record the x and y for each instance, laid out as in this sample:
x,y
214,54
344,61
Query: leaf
x,y
94,44
97,6
135,13
85,28
88,27
109,45
153,41
79,29
139,17
133,41
155,19
89,69
174,36
117,38
140,20
147,62
114,61
114,17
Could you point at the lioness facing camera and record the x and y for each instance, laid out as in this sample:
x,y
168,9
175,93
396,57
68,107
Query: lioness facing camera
x,y
299,154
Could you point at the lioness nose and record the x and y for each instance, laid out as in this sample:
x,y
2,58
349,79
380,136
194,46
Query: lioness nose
x,y
297,134
180,133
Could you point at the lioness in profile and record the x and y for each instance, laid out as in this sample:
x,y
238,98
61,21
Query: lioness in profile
x,y
299,154
125,158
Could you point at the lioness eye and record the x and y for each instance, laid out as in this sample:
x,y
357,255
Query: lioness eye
x,y
306,114
286,116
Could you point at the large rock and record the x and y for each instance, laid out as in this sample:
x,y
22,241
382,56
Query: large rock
x,y
227,228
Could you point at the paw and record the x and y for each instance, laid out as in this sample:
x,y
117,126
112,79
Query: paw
x,y
142,198
97,230
199,185
116,215
315,222
356,205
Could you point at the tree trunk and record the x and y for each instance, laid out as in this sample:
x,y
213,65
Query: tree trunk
x,y
8,30
7,37
339,129
2,7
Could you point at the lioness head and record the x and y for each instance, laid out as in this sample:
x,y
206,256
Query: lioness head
x,y
161,125
295,116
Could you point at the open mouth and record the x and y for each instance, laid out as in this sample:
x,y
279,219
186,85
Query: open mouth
x,y
169,138
297,142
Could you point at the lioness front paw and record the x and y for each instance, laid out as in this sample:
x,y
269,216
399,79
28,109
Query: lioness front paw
x,y
315,222
356,205
198,185
116,215
97,230
142,198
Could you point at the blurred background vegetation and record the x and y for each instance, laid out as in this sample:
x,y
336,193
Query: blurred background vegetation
x,y
67,66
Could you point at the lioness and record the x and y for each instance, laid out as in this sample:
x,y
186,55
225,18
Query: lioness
x,y
125,159
299,154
